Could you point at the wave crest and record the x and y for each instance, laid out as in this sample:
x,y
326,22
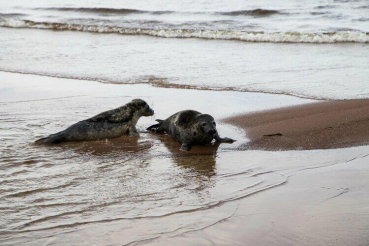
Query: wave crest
x,y
107,10
280,37
252,12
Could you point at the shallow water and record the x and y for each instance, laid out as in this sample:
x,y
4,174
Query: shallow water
x,y
329,71
50,192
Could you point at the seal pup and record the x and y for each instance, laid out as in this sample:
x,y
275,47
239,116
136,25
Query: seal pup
x,y
110,124
189,128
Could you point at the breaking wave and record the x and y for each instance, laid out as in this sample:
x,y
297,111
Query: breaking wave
x,y
279,37
107,10
252,12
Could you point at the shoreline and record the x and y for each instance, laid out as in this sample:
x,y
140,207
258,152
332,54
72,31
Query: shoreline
x,y
320,125
304,126
162,84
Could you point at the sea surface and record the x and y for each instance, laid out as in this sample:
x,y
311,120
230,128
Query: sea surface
x,y
314,49
64,61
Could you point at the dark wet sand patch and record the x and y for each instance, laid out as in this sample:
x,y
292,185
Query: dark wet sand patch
x,y
322,125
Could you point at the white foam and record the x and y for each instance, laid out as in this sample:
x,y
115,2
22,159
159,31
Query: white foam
x,y
281,37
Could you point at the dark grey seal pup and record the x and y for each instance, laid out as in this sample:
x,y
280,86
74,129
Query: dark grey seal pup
x,y
189,128
110,124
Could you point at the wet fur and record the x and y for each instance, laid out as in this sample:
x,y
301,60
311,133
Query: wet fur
x,y
110,124
187,128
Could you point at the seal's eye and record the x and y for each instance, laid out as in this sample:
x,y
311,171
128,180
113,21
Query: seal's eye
x,y
204,124
214,124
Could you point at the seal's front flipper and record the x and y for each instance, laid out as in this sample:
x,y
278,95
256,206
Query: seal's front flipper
x,y
186,147
223,140
133,132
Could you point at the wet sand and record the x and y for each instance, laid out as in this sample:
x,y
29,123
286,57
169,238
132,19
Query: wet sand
x,y
321,125
320,206
145,191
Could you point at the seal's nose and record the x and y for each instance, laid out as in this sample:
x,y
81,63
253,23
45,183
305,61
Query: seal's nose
x,y
151,111
212,131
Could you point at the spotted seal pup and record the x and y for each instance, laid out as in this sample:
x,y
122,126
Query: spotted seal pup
x,y
189,128
110,124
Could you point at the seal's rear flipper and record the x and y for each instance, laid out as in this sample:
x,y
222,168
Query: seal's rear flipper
x,y
157,127
52,139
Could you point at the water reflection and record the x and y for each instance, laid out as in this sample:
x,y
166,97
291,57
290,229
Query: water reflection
x,y
116,147
201,159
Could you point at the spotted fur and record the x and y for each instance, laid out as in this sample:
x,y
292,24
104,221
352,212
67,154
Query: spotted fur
x,y
110,124
189,128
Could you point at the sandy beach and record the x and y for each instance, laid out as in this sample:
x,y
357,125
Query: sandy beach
x,y
312,193
322,125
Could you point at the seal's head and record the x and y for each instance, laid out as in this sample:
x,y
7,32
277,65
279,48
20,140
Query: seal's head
x,y
141,107
206,124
